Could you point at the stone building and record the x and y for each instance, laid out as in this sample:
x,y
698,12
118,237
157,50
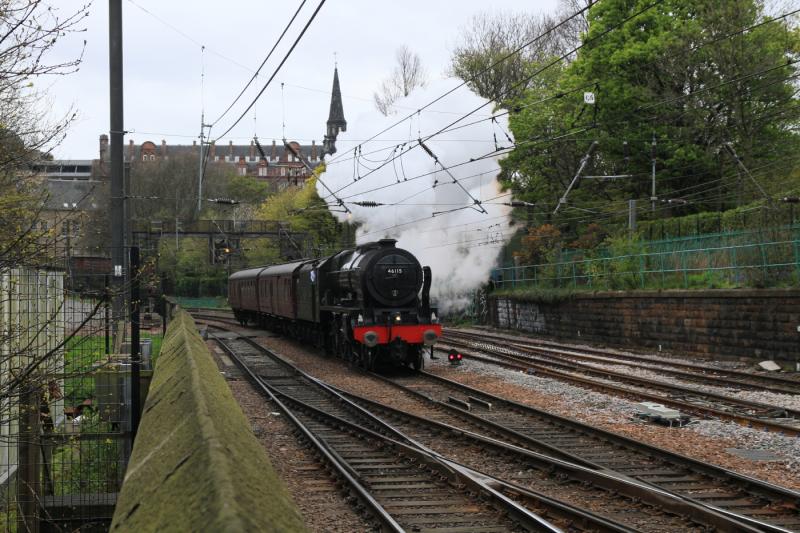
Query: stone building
x,y
281,163
77,191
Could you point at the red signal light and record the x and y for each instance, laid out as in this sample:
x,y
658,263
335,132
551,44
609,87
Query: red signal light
x,y
454,356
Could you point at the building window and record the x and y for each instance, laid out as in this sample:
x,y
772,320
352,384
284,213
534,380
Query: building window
x,y
242,171
262,171
152,158
283,171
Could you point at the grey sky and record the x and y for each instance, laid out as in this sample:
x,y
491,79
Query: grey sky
x,y
162,67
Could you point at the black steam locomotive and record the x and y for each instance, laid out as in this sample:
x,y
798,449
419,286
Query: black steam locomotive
x,y
366,304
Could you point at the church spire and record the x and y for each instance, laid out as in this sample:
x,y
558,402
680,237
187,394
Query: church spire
x,y
336,121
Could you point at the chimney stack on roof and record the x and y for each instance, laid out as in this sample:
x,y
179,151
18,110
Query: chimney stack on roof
x,y
104,147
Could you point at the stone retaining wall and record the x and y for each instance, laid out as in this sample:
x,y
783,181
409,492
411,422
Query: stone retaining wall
x,y
196,465
757,324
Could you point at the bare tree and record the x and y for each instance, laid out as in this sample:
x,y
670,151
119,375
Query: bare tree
x,y
29,30
408,74
490,37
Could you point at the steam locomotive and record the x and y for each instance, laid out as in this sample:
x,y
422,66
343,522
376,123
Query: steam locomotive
x,y
363,304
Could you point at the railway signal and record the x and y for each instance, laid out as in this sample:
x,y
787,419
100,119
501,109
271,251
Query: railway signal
x,y
454,356
222,251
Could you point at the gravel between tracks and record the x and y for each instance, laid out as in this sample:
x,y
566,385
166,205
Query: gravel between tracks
x,y
789,401
707,440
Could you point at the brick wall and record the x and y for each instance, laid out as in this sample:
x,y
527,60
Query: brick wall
x,y
757,324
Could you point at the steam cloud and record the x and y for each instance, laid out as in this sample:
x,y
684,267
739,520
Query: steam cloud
x,y
460,245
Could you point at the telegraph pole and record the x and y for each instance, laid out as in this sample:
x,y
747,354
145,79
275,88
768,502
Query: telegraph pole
x,y
116,132
200,172
653,197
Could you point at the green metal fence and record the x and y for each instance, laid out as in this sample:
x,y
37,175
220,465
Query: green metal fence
x,y
210,302
756,258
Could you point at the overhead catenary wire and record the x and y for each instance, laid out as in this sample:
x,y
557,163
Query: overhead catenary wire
x,y
527,79
565,93
269,81
530,142
277,69
683,96
187,36
475,76
264,62
475,201
595,217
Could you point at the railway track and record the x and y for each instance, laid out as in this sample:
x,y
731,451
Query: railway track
x,y
405,488
685,370
716,487
703,403
482,439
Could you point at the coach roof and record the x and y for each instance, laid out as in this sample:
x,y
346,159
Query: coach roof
x,y
250,273
285,268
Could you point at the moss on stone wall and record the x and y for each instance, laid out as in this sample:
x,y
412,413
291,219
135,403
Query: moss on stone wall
x,y
196,466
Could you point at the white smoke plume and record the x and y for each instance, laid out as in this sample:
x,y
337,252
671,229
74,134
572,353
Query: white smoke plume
x,y
428,214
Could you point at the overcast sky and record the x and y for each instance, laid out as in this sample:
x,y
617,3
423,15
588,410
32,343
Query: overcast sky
x,y
163,64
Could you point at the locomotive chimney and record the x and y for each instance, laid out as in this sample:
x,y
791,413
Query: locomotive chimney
x,y
387,243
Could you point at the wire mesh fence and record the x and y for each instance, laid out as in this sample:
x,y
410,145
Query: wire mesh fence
x,y
754,258
65,399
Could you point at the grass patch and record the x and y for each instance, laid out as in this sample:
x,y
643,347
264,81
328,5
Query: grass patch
x,y
83,466
81,359
538,294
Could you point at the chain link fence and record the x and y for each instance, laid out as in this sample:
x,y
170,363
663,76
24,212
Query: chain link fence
x,y
65,399
753,258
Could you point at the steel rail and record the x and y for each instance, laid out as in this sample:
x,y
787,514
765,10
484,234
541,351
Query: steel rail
x,y
524,364
338,464
604,478
745,483
529,519
752,487
725,376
